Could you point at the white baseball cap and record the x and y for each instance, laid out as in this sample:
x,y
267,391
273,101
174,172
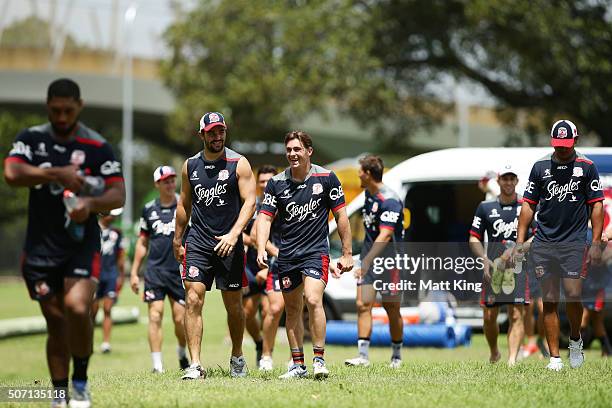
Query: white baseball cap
x,y
163,172
506,169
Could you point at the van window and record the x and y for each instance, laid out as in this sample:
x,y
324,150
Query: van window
x,y
357,232
441,211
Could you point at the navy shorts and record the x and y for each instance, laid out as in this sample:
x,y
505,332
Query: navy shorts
x,y
565,260
291,274
272,282
253,287
107,287
45,277
205,266
162,282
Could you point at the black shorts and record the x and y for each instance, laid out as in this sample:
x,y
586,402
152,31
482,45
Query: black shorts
x,y
162,282
291,274
565,260
45,278
107,287
205,266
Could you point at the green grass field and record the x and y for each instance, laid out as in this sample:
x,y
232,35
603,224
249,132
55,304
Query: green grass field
x,y
429,377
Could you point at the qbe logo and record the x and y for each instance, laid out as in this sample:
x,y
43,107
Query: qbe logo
x,y
476,222
269,199
389,216
336,192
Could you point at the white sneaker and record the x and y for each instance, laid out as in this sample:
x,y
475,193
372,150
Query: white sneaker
x,y
105,348
238,367
80,397
395,363
266,364
59,403
194,372
296,371
356,362
576,356
157,370
556,364
320,371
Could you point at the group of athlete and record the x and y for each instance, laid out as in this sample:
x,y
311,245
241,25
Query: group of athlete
x,y
270,249
551,237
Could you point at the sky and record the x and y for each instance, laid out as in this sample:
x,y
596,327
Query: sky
x,y
92,21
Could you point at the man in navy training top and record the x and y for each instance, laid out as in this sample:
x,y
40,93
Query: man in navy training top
x,y
162,275
111,274
61,269
301,198
567,188
383,219
497,221
218,194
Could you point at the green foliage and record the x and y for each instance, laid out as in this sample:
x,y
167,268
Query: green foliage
x,y
266,64
32,32
549,58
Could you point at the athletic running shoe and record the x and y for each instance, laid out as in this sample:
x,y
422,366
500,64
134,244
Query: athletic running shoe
x,y
356,362
80,397
238,367
576,356
556,364
396,363
296,371
194,372
320,371
530,349
266,364
156,370
105,348
508,282
497,276
184,363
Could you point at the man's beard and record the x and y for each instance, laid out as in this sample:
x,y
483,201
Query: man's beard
x,y
210,148
63,132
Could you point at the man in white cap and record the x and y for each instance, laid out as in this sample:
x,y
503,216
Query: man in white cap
x,y
566,188
496,222
162,275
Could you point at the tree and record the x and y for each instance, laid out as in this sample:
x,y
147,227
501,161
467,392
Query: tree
x,y
550,58
266,64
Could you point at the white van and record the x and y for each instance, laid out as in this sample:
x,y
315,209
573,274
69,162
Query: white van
x,y
440,193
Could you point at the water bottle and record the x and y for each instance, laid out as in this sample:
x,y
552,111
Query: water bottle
x,y
75,229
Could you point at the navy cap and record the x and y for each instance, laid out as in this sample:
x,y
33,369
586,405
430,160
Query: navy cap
x,y
210,120
563,133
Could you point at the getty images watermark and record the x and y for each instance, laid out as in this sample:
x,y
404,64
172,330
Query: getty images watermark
x,y
412,270
454,268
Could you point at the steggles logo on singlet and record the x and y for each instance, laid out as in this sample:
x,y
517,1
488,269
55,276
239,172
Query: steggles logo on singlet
x,y
208,195
506,229
561,190
301,211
